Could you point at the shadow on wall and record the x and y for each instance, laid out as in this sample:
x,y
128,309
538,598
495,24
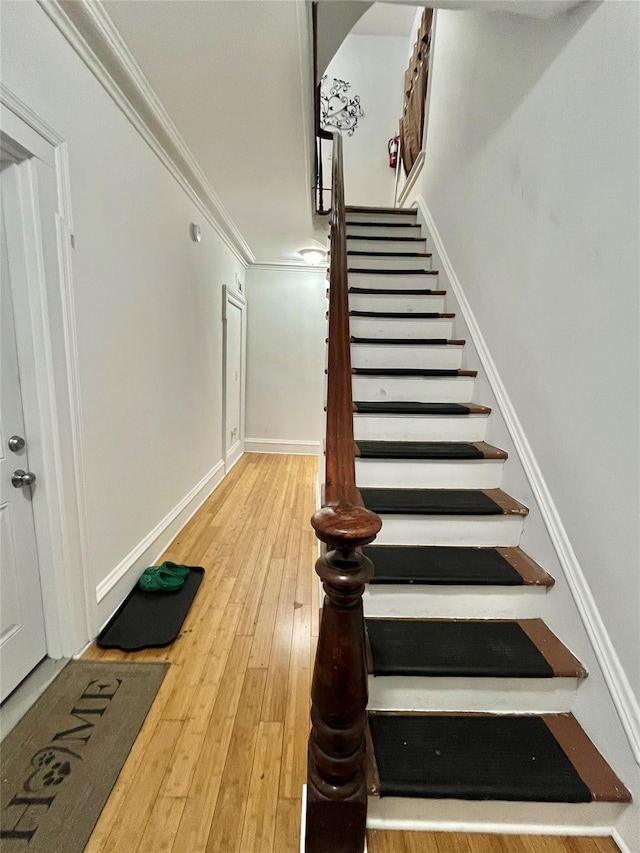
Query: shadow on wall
x,y
528,44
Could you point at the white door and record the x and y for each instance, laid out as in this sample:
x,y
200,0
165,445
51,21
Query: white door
x,y
22,634
233,376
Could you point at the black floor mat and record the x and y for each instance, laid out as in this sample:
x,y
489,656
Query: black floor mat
x,y
454,648
441,565
393,407
150,619
473,758
418,450
430,501
417,342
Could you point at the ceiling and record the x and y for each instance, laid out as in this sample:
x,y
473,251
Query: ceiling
x,y
385,19
234,76
231,76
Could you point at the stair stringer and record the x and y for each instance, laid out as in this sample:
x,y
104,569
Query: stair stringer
x,y
604,704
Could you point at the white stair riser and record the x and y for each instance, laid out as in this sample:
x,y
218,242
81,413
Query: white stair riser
x,y
492,531
390,302
408,218
429,473
388,355
384,327
498,695
393,282
426,601
441,389
395,247
372,262
420,427
492,816
382,231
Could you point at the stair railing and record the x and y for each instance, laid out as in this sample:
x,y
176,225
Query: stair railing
x,y
336,791
321,133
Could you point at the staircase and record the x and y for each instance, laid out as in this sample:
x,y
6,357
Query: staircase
x,y
470,693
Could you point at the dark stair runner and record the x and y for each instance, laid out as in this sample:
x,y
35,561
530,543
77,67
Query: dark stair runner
x,y
473,758
394,407
423,564
497,649
418,450
430,501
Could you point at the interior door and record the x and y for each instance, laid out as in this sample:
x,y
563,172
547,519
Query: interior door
x,y
234,351
22,633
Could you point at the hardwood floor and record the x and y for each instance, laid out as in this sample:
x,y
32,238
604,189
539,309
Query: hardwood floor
x,y
219,764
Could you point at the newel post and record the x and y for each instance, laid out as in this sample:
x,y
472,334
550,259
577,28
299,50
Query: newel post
x,y
336,792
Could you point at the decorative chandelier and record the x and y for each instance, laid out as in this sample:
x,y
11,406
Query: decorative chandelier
x,y
338,109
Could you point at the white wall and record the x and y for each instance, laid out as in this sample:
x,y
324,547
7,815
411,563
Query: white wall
x,y
374,66
148,305
531,177
286,332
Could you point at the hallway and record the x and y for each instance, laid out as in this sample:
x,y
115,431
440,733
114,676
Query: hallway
x,y
221,759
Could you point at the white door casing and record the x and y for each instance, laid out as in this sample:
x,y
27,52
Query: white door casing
x,y
234,358
22,634
39,242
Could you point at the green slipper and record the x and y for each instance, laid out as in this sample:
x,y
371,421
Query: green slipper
x,y
173,568
160,581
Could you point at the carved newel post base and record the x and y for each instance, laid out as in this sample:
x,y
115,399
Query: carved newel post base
x,y
336,792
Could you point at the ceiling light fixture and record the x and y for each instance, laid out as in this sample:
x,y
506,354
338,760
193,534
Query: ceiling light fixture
x,y
313,255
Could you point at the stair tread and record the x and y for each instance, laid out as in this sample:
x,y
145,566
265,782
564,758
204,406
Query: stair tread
x,y
371,224
372,254
416,342
382,271
373,449
376,237
478,648
412,371
454,566
403,315
441,502
394,407
393,211
380,291
530,758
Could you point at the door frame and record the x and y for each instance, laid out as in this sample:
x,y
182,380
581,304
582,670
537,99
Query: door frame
x,y
237,300
40,247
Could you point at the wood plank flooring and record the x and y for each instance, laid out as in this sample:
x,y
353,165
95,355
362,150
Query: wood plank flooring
x,y
219,764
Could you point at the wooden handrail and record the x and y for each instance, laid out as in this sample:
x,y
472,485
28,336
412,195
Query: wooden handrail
x,y
336,792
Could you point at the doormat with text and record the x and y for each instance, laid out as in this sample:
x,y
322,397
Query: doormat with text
x,y
62,759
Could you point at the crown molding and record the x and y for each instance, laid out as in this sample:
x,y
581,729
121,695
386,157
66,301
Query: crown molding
x,y
92,34
289,266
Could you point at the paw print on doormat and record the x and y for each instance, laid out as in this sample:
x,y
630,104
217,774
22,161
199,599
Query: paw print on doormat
x,y
57,773
52,768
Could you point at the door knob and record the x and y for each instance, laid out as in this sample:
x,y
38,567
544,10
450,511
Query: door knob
x,y
22,478
16,443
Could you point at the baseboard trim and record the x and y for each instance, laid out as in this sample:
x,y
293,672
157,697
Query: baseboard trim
x,y
234,454
181,513
282,445
625,703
